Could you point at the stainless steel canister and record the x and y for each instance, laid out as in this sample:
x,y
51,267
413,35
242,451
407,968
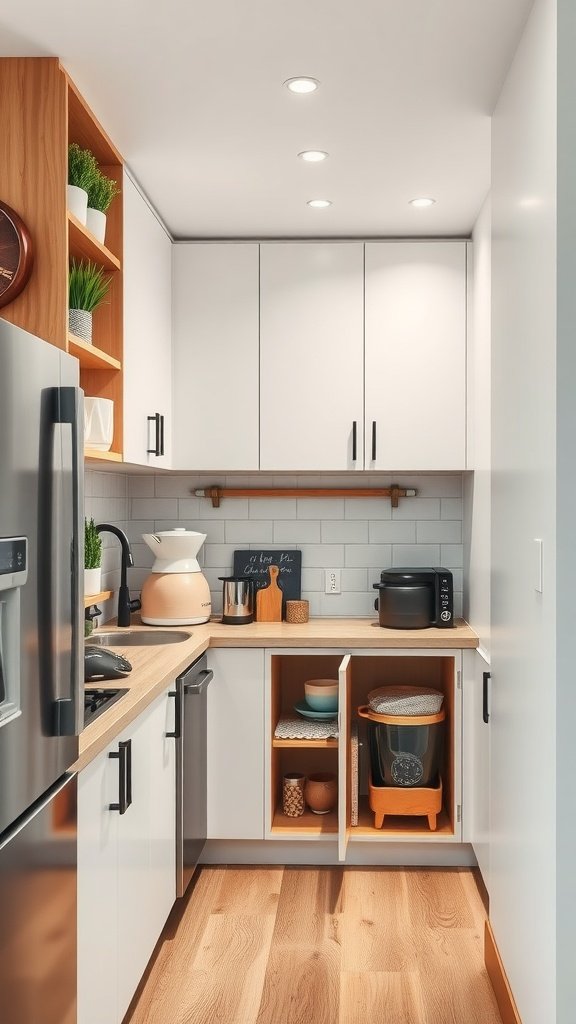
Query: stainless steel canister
x,y
238,600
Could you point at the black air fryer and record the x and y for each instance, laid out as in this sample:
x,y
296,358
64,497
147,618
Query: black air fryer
x,y
415,598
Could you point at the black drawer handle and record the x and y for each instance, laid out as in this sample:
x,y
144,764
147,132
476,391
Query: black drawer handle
x,y
354,441
485,713
176,735
124,756
373,440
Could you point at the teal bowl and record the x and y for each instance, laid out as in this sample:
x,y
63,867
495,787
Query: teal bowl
x,y
322,694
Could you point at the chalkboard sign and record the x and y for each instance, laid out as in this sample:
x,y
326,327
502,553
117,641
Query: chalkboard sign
x,y
255,565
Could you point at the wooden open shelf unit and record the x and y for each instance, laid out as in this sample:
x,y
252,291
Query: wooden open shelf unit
x,y
90,599
366,672
42,112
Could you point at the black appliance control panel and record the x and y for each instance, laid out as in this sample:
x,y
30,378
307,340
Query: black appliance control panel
x,y
13,555
445,593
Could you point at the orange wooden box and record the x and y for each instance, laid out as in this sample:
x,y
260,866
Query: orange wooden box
x,y
413,801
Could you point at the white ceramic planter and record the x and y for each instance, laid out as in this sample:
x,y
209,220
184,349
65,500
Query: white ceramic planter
x,y
96,223
77,199
92,581
80,324
98,423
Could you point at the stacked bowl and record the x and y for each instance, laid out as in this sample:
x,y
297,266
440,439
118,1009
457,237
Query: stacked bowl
x,y
321,699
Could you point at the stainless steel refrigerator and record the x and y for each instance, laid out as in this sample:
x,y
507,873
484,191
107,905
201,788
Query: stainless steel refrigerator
x,y
41,675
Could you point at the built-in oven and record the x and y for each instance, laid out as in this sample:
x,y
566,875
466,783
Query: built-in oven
x,y
191,768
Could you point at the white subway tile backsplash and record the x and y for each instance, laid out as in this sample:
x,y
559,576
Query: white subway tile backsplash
x,y
439,532
392,532
296,531
452,556
320,508
219,554
322,556
451,508
141,485
271,508
251,531
367,556
189,508
154,508
417,508
359,536
368,508
415,554
345,532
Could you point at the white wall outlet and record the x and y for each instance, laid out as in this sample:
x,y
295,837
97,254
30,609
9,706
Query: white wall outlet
x,y
332,581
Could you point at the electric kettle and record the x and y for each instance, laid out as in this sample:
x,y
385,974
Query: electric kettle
x,y
176,593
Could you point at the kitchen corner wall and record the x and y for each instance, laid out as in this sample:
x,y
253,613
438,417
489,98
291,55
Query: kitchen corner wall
x,y
359,536
106,500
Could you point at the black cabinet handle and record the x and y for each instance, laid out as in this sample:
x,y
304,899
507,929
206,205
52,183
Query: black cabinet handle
x,y
354,441
162,434
156,419
373,440
485,714
124,756
177,715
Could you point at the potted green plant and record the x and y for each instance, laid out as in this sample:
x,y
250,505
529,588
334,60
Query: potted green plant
x,y
82,170
92,559
101,192
87,289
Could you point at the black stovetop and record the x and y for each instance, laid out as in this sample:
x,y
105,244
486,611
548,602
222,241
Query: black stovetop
x,y
96,701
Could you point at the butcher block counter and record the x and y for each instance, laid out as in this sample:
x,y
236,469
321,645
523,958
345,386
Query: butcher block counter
x,y
155,667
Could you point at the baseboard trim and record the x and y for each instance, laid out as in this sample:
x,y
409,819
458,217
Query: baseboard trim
x,y
500,983
482,890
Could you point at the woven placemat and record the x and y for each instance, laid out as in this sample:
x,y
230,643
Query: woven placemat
x,y
292,728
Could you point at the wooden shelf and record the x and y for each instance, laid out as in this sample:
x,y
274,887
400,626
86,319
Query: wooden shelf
x,y
104,595
308,824
95,456
83,245
90,357
306,744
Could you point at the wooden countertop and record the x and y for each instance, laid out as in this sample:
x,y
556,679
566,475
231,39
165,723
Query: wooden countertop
x,y
155,667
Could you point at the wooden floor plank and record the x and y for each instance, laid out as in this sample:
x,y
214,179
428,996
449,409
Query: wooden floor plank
x,y
322,946
370,997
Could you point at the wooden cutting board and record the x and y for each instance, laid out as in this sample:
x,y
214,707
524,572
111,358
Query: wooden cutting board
x,y
269,599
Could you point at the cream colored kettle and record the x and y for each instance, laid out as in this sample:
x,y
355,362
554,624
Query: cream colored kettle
x,y
176,593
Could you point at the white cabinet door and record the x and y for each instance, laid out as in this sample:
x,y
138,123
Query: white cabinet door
x,y
311,356
147,271
415,355
97,891
162,767
236,745
215,297
476,762
136,938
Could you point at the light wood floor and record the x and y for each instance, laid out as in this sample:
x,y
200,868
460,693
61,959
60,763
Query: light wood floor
x,y
321,946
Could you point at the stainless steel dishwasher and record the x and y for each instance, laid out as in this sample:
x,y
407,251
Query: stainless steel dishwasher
x,y
190,735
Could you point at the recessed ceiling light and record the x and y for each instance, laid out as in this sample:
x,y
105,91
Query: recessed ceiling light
x,y
423,201
302,85
313,156
319,204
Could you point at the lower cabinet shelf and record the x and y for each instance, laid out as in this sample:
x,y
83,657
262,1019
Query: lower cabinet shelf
x,y
307,825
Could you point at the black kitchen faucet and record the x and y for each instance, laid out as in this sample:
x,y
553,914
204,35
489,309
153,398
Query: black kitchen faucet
x,y
125,605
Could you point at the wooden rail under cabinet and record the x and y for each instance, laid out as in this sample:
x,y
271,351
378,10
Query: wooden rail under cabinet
x,y
217,493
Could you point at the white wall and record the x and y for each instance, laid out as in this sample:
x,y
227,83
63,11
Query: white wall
x,y
523,640
477,485
566,516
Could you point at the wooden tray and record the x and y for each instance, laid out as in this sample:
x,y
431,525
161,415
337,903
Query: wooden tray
x,y
413,801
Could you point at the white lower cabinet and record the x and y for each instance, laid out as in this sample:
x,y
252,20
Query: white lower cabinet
x,y
476,766
358,672
235,735
126,862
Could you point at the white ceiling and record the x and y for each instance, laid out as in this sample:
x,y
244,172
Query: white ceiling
x,y
192,95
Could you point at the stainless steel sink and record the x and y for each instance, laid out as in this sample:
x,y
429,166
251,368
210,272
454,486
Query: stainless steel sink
x,y
139,638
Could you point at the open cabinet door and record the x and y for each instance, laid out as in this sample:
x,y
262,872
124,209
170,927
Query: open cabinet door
x,y
344,776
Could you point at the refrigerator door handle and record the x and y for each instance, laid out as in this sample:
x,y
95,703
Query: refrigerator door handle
x,y
65,406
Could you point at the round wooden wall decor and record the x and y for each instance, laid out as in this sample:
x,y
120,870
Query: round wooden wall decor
x,y
16,255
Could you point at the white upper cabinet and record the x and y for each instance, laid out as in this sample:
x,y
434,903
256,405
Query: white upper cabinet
x,y
311,356
147,334
215,310
415,346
